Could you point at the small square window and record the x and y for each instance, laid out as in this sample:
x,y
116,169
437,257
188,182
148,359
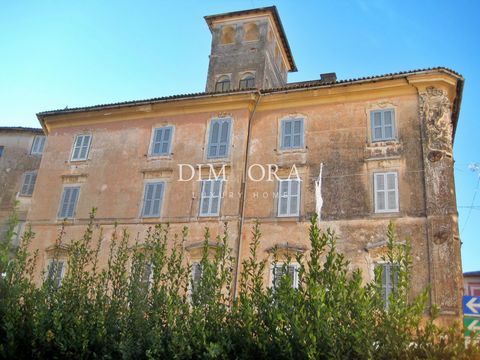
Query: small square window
x,y
211,199
38,145
289,198
81,147
292,134
385,192
383,125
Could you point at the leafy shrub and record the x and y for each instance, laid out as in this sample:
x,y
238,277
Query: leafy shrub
x,y
143,304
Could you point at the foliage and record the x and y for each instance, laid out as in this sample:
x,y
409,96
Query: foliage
x,y
142,304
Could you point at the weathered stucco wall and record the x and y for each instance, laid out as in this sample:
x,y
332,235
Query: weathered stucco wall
x,y
337,133
14,162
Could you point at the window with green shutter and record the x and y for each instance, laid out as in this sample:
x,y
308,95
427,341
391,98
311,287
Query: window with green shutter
x,y
219,138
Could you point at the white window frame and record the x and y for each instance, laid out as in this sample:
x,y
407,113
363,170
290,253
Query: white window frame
x,y
62,273
210,196
382,125
389,286
162,197
385,192
295,280
170,143
36,148
29,185
74,147
62,199
289,196
283,123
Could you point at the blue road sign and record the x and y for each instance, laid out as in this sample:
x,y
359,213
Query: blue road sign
x,y
471,305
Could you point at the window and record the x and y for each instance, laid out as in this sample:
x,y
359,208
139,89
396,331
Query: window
x,y
247,81
223,84
383,125
196,276
152,199
1,151
68,203
38,145
17,238
81,147
386,192
162,141
289,198
219,138
28,183
292,134
55,272
280,270
147,277
389,277
210,200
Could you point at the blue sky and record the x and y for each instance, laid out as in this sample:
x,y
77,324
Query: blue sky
x,y
55,54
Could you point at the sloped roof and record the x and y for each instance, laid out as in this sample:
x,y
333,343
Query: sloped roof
x,y
290,86
20,129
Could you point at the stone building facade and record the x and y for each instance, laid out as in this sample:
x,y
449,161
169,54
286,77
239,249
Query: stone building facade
x,y
381,147
20,155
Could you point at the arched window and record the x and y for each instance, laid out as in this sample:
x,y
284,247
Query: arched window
x,y
251,32
247,81
228,35
222,84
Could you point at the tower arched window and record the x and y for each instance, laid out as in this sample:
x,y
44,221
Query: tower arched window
x,y
247,81
222,84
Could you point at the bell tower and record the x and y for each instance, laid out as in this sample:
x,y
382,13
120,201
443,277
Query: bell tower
x,y
249,50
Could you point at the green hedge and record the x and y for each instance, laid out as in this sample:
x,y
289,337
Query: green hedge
x,y
114,313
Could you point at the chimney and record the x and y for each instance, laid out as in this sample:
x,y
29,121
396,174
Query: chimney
x,y
328,78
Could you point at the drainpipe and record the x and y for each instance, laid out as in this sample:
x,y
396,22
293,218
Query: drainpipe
x,y
244,191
